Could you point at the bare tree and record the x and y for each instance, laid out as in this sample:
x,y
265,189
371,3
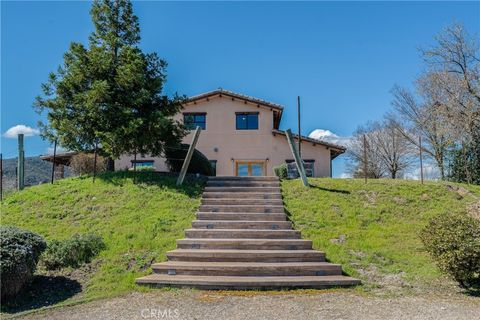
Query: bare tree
x,y
425,119
356,155
388,152
394,150
454,77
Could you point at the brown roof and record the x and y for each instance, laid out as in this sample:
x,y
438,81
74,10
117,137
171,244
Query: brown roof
x,y
60,158
277,108
335,148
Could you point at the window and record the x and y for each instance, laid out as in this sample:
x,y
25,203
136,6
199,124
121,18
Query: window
x,y
142,163
194,120
308,164
247,121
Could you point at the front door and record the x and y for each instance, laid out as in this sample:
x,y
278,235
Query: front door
x,y
250,168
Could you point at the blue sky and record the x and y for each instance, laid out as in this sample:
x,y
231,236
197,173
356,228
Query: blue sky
x,y
342,58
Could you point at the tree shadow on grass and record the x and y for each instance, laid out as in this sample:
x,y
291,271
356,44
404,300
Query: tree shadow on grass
x,y
330,190
42,292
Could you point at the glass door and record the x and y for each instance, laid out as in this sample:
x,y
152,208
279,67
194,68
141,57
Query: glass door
x,y
250,168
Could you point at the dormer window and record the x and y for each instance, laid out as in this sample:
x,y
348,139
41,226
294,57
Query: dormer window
x,y
194,120
247,120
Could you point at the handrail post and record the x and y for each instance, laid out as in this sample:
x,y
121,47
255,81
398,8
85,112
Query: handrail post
x,y
186,163
296,156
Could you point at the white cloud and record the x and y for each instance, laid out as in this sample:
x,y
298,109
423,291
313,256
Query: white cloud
x,y
329,136
345,176
14,131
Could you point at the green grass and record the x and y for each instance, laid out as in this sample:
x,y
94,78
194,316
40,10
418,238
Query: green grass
x,y
138,222
380,221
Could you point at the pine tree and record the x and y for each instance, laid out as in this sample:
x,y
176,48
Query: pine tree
x,y
110,93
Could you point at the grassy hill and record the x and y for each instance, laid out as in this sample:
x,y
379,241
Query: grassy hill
x,y
138,222
371,229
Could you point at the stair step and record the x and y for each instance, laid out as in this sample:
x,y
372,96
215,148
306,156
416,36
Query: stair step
x,y
241,195
226,282
241,224
242,208
240,183
246,255
241,216
245,244
242,233
228,201
235,178
242,189
247,268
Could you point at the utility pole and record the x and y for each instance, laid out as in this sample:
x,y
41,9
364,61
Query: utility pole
x,y
95,162
365,164
54,159
421,160
299,129
21,163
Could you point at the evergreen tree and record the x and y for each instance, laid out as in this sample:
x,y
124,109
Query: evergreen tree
x,y
110,92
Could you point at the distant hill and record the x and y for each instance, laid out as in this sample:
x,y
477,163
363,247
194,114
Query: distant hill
x,y
37,172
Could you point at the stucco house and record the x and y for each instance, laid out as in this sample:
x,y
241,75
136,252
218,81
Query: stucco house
x,y
241,136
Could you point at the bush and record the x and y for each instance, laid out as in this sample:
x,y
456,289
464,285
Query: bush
x,y
198,164
454,243
72,252
281,171
19,254
82,163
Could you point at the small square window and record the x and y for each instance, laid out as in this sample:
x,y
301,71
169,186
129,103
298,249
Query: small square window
x,y
194,120
246,121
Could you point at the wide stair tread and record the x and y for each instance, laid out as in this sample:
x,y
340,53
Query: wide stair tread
x,y
246,255
250,216
242,233
241,224
247,268
252,244
243,282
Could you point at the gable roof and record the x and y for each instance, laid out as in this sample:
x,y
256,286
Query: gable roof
x,y
276,108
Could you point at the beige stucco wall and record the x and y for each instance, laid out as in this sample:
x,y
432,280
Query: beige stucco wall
x,y
222,142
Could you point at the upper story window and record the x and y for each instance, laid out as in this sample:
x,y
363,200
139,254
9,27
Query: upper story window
x,y
247,120
194,120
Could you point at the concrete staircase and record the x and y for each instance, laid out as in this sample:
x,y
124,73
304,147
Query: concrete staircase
x,y
242,240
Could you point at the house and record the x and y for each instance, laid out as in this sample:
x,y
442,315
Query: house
x,y
241,136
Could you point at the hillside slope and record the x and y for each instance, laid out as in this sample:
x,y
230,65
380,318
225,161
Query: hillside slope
x,y
139,222
372,229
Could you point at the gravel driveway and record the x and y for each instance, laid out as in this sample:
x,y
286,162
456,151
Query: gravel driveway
x,y
187,304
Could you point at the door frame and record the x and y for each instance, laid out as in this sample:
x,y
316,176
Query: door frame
x,y
249,162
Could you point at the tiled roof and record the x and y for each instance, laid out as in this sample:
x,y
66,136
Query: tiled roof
x,y
232,94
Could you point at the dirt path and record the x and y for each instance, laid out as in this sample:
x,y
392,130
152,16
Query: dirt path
x,y
186,304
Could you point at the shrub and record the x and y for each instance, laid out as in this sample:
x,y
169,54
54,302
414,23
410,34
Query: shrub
x,y
83,163
281,171
19,254
72,252
454,243
198,164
